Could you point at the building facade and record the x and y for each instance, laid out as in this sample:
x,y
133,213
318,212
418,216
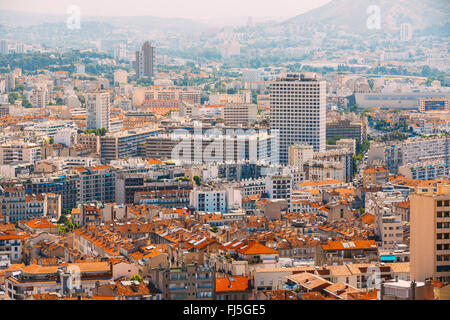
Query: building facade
x,y
297,112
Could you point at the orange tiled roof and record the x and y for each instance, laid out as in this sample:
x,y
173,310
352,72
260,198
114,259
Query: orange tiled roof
x,y
238,283
40,224
154,161
355,244
256,248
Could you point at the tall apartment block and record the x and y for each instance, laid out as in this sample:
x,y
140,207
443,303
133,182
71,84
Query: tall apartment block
x,y
145,60
4,48
298,112
188,282
430,234
98,110
415,150
39,97
434,104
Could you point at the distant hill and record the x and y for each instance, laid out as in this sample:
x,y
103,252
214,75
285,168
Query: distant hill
x,y
24,19
352,14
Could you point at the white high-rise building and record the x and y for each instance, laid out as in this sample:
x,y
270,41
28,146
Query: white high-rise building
x,y
298,112
98,110
39,97
10,81
4,48
405,32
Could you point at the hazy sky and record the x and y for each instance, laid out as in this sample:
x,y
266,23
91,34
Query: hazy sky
x,y
194,9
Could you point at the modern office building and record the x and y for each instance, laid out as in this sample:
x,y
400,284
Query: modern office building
x,y
434,104
98,110
210,148
124,144
66,186
96,184
347,129
430,234
240,114
297,112
145,60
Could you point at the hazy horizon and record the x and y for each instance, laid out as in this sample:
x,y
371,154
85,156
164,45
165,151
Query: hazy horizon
x,y
195,9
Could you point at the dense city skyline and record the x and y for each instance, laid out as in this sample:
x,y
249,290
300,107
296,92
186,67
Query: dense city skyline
x,y
239,161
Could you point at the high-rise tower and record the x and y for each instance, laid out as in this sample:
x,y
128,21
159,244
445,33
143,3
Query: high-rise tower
x,y
298,112
145,60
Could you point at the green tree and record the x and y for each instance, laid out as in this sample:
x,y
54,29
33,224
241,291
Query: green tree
x,y
63,219
136,277
197,180
26,103
12,97
81,98
332,141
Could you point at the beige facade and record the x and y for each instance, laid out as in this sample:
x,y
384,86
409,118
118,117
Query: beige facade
x,y
240,114
430,235
299,153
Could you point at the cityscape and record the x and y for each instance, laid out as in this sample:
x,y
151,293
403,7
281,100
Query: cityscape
x,y
225,152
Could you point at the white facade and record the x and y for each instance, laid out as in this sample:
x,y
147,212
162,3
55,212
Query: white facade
x,y
98,110
67,137
209,200
298,112
279,186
